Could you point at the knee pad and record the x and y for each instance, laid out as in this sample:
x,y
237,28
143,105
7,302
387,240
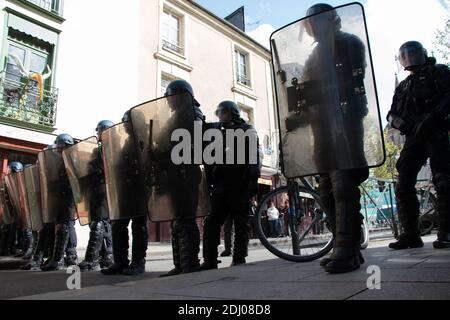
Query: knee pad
x,y
442,182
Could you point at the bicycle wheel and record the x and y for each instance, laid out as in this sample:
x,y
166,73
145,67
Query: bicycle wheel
x,y
305,236
428,213
364,235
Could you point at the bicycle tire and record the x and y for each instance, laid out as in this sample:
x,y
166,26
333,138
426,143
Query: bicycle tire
x,y
427,221
365,236
273,249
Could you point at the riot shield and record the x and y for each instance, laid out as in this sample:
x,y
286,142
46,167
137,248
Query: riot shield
x,y
6,216
85,171
326,95
56,196
33,191
172,191
12,185
124,183
24,204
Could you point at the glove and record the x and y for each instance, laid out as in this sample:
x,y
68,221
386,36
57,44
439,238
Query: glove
x,y
425,127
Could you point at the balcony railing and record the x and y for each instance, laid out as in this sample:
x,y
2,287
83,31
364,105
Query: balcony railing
x,y
21,102
53,6
242,79
172,46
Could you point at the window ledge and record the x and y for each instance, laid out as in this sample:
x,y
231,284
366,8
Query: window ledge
x,y
244,92
161,56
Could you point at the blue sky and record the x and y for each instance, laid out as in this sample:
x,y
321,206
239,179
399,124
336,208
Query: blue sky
x,y
277,13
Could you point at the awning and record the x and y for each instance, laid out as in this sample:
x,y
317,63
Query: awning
x,y
32,29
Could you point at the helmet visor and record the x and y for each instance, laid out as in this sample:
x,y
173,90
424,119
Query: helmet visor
x,y
410,57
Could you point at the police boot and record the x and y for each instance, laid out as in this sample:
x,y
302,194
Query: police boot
x,y
28,244
443,240
189,246
176,255
326,260
345,256
3,241
442,183
410,236
106,256
91,258
139,247
120,249
211,239
35,263
61,238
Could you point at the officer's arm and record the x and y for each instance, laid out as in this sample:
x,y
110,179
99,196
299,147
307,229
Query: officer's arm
x,y
443,84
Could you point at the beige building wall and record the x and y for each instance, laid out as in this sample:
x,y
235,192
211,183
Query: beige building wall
x,y
112,58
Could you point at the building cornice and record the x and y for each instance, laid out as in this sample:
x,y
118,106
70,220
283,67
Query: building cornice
x,y
162,57
222,25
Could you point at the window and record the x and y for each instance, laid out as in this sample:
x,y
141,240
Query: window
x,y
247,114
54,6
242,68
171,32
165,80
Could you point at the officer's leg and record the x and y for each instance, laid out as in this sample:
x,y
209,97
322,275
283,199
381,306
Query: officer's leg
x,y
327,199
120,247
4,240
48,254
71,248
61,238
211,230
439,152
227,236
345,186
189,242
240,212
176,247
412,158
27,244
43,242
106,253
139,246
91,258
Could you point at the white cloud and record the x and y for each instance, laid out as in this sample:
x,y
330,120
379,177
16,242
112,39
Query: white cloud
x,y
262,34
392,23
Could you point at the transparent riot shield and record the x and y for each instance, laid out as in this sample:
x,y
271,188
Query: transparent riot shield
x,y
326,94
56,196
85,171
124,182
33,191
6,216
12,185
173,191
23,198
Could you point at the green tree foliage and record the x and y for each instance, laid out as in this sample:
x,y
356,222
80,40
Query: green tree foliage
x,y
387,170
442,42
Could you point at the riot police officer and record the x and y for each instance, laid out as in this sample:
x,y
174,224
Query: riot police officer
x,y
99,250
65,235
119,229
44,243
232,186
337,66
184,180
420,110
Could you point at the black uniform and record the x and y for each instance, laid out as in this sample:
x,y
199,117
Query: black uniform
x,y
65,238
420,108
339,189
99,250
232,186
119,228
